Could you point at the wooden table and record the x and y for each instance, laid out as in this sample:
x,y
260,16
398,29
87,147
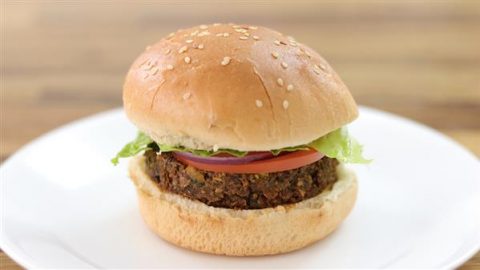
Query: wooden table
x,y
65,60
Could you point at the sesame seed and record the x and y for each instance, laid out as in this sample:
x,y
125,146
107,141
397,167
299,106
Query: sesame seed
x,y
226,60
169,67
243,38
253,27
256,37
293,43
200,46
241,30
275,55
316,69
226,34
189,41
186,95
216,24
283,42
187,60
203,26
284,65
322,67
236,26
171,34
194,33
144,63
285,104
308,54
183,49
259,103
204,33
280,81
219,34
290,38
148,48
289,87
168,51
299,52
215,148
277,42
246,34
145,76
148,65
154,71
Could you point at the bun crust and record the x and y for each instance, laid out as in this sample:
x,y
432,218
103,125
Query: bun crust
x,y
197,226
238,87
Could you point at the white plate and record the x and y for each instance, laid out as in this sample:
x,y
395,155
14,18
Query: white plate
x,y
64,204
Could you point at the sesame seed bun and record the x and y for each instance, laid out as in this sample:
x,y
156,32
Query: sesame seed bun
x,y
234,86
197,226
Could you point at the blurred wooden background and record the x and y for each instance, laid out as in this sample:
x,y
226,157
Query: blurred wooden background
x,y
62,60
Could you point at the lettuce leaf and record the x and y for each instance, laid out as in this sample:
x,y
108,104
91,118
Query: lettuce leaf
x,y
203,153
139,144
276,152
336,144
142,142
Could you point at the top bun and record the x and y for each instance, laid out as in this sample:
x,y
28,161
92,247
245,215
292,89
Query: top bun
x,y
234,86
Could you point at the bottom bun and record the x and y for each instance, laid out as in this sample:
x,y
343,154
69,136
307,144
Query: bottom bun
x,y
197,226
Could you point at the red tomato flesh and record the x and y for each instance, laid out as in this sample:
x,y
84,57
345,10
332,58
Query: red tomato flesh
x,y
279,163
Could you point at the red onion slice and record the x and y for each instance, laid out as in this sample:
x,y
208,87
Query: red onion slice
x,y
224,158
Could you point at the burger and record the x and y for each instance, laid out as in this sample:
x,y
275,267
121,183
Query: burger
x,y
242,143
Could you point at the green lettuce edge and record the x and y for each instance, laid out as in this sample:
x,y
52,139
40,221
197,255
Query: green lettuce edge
x,y
336,144
340,145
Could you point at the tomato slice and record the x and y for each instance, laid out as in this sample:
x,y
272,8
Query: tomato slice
x,y
280,163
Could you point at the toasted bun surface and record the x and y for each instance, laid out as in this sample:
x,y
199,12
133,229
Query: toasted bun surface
x,y
197,226
237,87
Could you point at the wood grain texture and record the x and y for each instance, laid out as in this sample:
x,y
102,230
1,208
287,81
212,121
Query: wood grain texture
x,y
62,60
